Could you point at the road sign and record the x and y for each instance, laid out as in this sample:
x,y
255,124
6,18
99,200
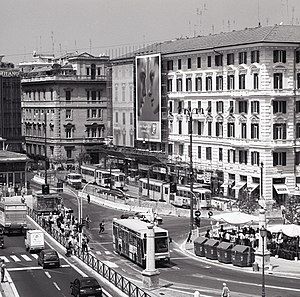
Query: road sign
x,y
197,213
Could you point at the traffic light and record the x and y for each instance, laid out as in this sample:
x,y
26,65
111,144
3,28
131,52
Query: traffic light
x,y
173,187
197,221
45,189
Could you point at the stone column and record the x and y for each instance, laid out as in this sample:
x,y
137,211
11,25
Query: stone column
x,y
259,250
150,274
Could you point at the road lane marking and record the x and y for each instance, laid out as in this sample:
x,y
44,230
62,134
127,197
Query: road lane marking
x,y
24,268
110,264
35,256
15,258
26,258
48,274
57,287
65,265
107,252
245,283
5,259
98,252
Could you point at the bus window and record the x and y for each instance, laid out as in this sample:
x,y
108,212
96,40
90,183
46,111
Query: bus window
x,y
161,245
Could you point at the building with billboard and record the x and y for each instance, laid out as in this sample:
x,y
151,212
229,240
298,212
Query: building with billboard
x,y
148,97
10,106
242,88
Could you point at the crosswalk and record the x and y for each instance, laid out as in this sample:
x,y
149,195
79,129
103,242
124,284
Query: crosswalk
x,y
19,258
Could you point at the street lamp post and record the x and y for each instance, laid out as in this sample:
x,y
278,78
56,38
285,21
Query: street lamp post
x,y
45,140
263,234
189,112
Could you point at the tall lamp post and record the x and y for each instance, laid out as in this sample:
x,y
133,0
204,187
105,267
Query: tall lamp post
x,y
189,112
263,234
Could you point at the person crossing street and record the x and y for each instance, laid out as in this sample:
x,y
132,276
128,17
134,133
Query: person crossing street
x,y
101,227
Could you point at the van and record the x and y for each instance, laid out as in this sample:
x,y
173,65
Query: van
x,y
34,240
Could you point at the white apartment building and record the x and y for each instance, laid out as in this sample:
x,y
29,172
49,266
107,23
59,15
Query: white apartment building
x,y
242,88
123,104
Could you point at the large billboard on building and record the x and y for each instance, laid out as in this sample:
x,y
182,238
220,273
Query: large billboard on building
x,y
148,97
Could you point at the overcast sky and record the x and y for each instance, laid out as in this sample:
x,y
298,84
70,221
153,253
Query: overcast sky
x,y
118,25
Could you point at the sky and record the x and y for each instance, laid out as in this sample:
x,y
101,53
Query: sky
x,y
117,26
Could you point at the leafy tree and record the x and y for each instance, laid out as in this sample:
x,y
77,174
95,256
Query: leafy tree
x,y
246,202
83,157
292,210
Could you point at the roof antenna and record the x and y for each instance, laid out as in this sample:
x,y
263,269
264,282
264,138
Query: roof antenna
x,y
258,13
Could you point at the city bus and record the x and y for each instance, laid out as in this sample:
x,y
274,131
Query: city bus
x,y
74,180
130,240
182,197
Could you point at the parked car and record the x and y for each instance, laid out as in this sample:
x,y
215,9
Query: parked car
x,y
86,286
48,258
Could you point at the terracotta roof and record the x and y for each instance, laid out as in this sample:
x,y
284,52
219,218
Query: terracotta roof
x,y
276,34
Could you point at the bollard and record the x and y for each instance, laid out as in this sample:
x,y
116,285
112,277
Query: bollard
x,y
255,267
197,294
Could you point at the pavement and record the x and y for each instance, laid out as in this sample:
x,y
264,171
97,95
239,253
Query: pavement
x,y
279,267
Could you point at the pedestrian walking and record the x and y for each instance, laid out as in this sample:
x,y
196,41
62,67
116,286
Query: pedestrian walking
x,y
87,222
225,291
101,227
84,243
2,269
88,198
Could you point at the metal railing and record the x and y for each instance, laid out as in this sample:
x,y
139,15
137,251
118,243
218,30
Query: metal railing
x,y
115,278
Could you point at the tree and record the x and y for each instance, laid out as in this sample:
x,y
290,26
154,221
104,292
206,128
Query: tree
x,y
83,157
292,210
246,202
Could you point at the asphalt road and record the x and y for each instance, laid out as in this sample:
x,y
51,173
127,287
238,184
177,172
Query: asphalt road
x,y
184,272
30,279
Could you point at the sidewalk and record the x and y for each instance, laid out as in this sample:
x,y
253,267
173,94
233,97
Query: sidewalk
x,y
8,289
279,267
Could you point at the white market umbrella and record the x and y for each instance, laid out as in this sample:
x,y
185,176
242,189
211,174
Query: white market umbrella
x,y
290,230
235,218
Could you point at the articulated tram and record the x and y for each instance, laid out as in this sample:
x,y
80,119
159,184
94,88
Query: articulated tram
x,y
103,177
160,190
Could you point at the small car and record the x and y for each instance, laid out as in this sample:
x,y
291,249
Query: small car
x,y
48,258
86,286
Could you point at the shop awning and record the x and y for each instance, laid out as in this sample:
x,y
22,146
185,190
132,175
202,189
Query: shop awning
x,y
252,187
239,185
228,183
281,189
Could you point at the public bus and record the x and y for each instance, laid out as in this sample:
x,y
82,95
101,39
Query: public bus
x,y
74,180
160,190
130,240
182,197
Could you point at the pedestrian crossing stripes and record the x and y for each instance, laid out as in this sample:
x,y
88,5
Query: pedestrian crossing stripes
x,y
26,258
35,256
19,258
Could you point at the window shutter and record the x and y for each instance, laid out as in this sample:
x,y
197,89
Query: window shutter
x,y
284,131
284,107
284,159
257,53
233,156
228,156
274,132
274,159
252,107
275,56
257,107
283,56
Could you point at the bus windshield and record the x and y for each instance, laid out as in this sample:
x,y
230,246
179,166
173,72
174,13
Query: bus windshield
x,y
161,245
